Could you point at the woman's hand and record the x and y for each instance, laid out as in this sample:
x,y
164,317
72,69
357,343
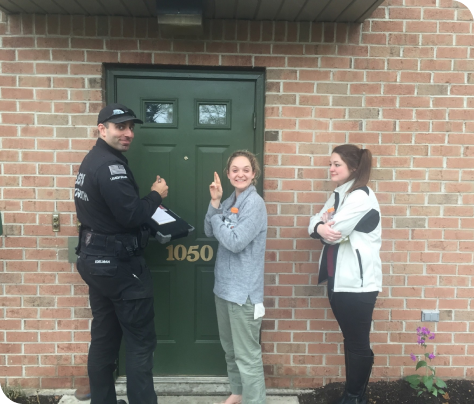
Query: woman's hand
x,y
327,232
325,217
216,191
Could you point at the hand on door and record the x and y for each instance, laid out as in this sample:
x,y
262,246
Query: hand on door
x,y
160,186
216,191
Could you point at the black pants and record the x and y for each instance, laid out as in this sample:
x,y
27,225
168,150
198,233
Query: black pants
x,y
122,305
353,312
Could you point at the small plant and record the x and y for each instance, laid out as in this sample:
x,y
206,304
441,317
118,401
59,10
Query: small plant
x,y
429,382
13,392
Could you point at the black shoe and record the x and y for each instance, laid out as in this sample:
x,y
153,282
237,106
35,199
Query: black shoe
x,y
349,398
121,402
83,393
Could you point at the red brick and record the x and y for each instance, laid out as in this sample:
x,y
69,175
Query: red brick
x,y
437,39
427,65
85,69
52,68
51,95
18,42
387,26
452,52
402,64
399,89
420,26
121,44
454,27
269,61
56,383
236,60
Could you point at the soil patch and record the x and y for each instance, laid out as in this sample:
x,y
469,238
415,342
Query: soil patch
x,y
396,392
38,400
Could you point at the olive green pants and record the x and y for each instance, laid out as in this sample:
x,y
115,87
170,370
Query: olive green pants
x,y
240,335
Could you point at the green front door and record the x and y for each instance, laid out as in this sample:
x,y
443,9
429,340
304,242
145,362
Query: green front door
x,y
193,122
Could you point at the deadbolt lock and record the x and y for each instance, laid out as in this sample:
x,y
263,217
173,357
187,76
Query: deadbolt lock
x,y
56,224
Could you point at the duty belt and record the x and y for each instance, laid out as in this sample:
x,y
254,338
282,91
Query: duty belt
x,y
122,246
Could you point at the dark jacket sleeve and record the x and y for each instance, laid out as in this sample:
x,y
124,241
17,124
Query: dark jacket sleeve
x,y
315,233
123,200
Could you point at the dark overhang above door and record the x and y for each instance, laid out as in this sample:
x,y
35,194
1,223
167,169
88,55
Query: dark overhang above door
x,y
278,10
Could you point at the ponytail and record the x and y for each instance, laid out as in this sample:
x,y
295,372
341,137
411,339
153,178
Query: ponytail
x,y
359,162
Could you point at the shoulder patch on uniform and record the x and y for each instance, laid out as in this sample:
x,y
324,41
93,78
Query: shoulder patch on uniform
x,y
117,169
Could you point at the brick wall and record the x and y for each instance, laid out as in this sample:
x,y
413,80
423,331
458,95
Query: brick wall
x,y
400,84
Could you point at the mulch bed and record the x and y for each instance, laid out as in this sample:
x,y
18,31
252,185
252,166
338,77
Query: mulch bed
x,y
396,392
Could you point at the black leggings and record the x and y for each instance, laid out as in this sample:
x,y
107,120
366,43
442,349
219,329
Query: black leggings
x,y
353,312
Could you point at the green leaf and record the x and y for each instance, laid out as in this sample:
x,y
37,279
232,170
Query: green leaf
x,y
440,383
420,364
441,391
413,379
427,355
420,392
435,392
429,383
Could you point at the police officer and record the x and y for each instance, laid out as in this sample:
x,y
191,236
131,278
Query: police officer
x,y
112,237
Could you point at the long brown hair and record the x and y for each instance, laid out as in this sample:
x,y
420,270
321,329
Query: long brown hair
x,y
252,159
359,162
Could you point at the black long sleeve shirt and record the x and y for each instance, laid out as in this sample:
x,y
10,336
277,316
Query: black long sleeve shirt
x,y
107,196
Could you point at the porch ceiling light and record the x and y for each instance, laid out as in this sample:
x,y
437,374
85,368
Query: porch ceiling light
x,y
180,17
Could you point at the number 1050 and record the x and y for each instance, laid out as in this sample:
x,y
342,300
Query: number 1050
x,y
180,253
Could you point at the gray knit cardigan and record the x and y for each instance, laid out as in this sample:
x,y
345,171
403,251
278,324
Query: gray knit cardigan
x,y
241,252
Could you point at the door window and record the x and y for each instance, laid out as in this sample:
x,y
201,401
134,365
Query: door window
x,y
164,113
213,114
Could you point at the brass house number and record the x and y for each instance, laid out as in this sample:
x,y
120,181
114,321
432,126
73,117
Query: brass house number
x,y
180,253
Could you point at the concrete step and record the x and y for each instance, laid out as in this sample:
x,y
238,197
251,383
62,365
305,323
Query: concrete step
x,y
70,399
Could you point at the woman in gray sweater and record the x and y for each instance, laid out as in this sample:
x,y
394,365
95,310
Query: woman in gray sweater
x,y
240,226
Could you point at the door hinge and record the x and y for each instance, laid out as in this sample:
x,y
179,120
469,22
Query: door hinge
x,y
254,120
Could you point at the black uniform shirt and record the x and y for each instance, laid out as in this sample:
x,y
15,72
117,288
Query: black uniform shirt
x,y
106,194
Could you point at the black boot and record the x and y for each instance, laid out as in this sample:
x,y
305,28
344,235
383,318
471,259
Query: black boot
x,y
340,400
358,375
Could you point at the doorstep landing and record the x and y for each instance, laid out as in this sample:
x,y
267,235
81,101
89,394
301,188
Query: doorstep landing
x,y
189,400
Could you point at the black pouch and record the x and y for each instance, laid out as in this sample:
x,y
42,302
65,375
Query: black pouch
x,y
143,236
121,251
78,247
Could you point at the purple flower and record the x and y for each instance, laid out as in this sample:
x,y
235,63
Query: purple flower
x,y
431,356
418,330
432,336
413,357
420,341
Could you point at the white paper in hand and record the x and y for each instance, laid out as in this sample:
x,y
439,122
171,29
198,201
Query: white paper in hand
x,y
161,217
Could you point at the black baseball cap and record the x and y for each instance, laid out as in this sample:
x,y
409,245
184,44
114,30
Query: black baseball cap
x,y
117,113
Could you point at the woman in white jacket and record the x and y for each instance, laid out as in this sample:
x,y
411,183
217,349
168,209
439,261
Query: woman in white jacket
x,y
349,228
